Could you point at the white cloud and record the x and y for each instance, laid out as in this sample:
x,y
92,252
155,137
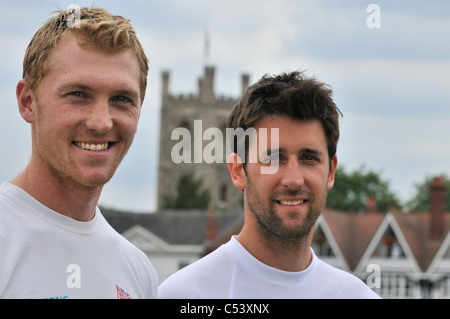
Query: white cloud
x,y
15,140
12,52
391,83
404,149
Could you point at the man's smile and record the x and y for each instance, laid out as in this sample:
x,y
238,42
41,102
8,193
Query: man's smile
x,y
291,202
93,146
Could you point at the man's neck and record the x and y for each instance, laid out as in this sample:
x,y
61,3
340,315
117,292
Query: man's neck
x,y
65,198
280,254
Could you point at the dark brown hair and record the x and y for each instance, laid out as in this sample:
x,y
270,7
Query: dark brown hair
x,y
291,94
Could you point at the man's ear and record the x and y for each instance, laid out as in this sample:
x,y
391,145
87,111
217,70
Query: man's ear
x,y
237,172
331,174
25,100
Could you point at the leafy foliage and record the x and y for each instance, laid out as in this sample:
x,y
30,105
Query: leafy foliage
x,y
420,202
352,190
189,194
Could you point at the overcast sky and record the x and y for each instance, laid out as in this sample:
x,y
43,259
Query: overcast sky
x,y
392,83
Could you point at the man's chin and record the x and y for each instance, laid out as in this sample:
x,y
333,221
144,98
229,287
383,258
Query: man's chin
x,y
94,181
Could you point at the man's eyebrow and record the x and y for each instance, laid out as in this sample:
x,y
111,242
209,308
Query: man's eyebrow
x,y
75,86
311,151
86,88
303,150
271,151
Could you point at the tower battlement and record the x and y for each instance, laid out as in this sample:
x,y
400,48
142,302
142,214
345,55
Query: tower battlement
x,y
181,111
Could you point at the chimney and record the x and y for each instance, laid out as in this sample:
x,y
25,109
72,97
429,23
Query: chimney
x,y
371,206
211,227
437,208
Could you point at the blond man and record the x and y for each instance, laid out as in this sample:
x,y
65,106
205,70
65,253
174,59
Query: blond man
x,y
84,81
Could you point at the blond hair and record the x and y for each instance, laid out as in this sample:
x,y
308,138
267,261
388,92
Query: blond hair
x,y
94,27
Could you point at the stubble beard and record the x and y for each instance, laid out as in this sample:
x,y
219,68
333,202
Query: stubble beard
x,y
64,171
68,176
272,228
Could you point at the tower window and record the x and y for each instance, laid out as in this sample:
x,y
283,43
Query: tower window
x,y
223,193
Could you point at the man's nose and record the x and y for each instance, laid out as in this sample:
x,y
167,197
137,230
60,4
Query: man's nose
x,y
100,119
292,174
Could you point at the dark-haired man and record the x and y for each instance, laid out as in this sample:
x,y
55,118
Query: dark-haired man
x,y
297,130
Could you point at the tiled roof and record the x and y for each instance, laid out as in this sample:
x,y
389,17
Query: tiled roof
x,y
415,227
174,227
352,232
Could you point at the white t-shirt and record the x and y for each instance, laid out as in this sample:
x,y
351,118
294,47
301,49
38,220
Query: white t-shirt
x,y
232,272
44,254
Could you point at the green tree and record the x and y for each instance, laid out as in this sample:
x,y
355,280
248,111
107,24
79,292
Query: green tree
x,y
420,202
351,191
189,194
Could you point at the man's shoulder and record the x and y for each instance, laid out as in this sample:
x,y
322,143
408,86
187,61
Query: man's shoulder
x,y
8,192
207,277
139,263
348,285
128,248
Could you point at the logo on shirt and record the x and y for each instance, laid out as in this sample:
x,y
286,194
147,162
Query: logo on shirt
x,y
122,294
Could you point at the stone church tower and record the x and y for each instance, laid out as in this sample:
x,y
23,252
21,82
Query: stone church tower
x,y
180,111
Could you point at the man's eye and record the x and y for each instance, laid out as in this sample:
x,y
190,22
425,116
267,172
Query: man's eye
x,y
76,97
76,94
309,158
271,159
121,98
